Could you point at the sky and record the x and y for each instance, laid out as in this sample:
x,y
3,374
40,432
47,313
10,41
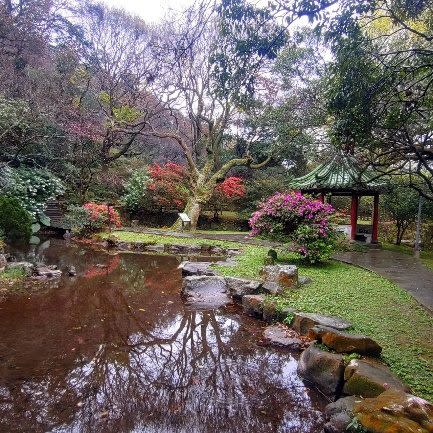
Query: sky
x,y
149,10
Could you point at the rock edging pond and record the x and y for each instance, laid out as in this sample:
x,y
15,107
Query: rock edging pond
x,y
169,248
32,270
343,366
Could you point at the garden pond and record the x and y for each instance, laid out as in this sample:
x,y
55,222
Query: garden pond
x,y
115,349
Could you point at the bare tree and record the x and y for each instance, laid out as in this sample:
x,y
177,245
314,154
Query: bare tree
x,y
200,86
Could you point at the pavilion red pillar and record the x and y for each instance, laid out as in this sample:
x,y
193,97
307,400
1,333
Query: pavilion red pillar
x,y
375,232
354,215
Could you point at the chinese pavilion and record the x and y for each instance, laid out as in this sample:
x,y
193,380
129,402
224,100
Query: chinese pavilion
x,y
343,176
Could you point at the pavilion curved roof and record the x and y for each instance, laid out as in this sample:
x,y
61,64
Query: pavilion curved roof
x,y
342,174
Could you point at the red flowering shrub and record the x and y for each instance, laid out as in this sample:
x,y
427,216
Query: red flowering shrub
x,y
299,219
91,217
169,186
103,214
227,192
232,188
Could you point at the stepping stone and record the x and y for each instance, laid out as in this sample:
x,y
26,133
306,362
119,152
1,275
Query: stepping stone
x,y
239,287
343,342
323,369
303,322
281,336
369,378
196,268
205,292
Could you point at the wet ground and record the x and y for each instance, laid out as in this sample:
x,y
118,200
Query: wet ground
x,y
115,350
404,270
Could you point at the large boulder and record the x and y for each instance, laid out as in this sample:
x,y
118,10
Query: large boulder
x,y
339,415
281,336
342,342
303,322
253,305
196,268
205,292
239,287
323,369
395,411
369,378
278,278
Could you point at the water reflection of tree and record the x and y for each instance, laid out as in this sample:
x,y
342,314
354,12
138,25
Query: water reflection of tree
x,y
161,370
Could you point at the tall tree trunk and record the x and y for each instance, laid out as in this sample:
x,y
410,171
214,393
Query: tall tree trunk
x,y
401,230
400,233
201,195
192,209
399,236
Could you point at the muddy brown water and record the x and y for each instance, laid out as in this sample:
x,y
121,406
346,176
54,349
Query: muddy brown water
x,y
115,350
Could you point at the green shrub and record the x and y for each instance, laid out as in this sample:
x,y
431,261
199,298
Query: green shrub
x,y
136,190
15,222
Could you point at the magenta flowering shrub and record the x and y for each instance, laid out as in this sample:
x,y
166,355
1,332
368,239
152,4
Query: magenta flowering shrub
x,y
293,217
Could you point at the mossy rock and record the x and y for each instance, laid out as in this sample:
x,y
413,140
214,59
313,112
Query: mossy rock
x,y
395,411
369,378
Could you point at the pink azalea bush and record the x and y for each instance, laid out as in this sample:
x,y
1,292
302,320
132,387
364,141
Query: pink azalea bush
x,y
293,217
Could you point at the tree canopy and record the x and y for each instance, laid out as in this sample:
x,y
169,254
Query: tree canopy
x,y
92,94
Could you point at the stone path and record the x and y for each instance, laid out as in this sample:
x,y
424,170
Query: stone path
x,y
404,270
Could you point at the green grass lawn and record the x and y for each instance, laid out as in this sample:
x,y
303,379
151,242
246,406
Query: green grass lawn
x,y
13,274
222,232
125,236
375,306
